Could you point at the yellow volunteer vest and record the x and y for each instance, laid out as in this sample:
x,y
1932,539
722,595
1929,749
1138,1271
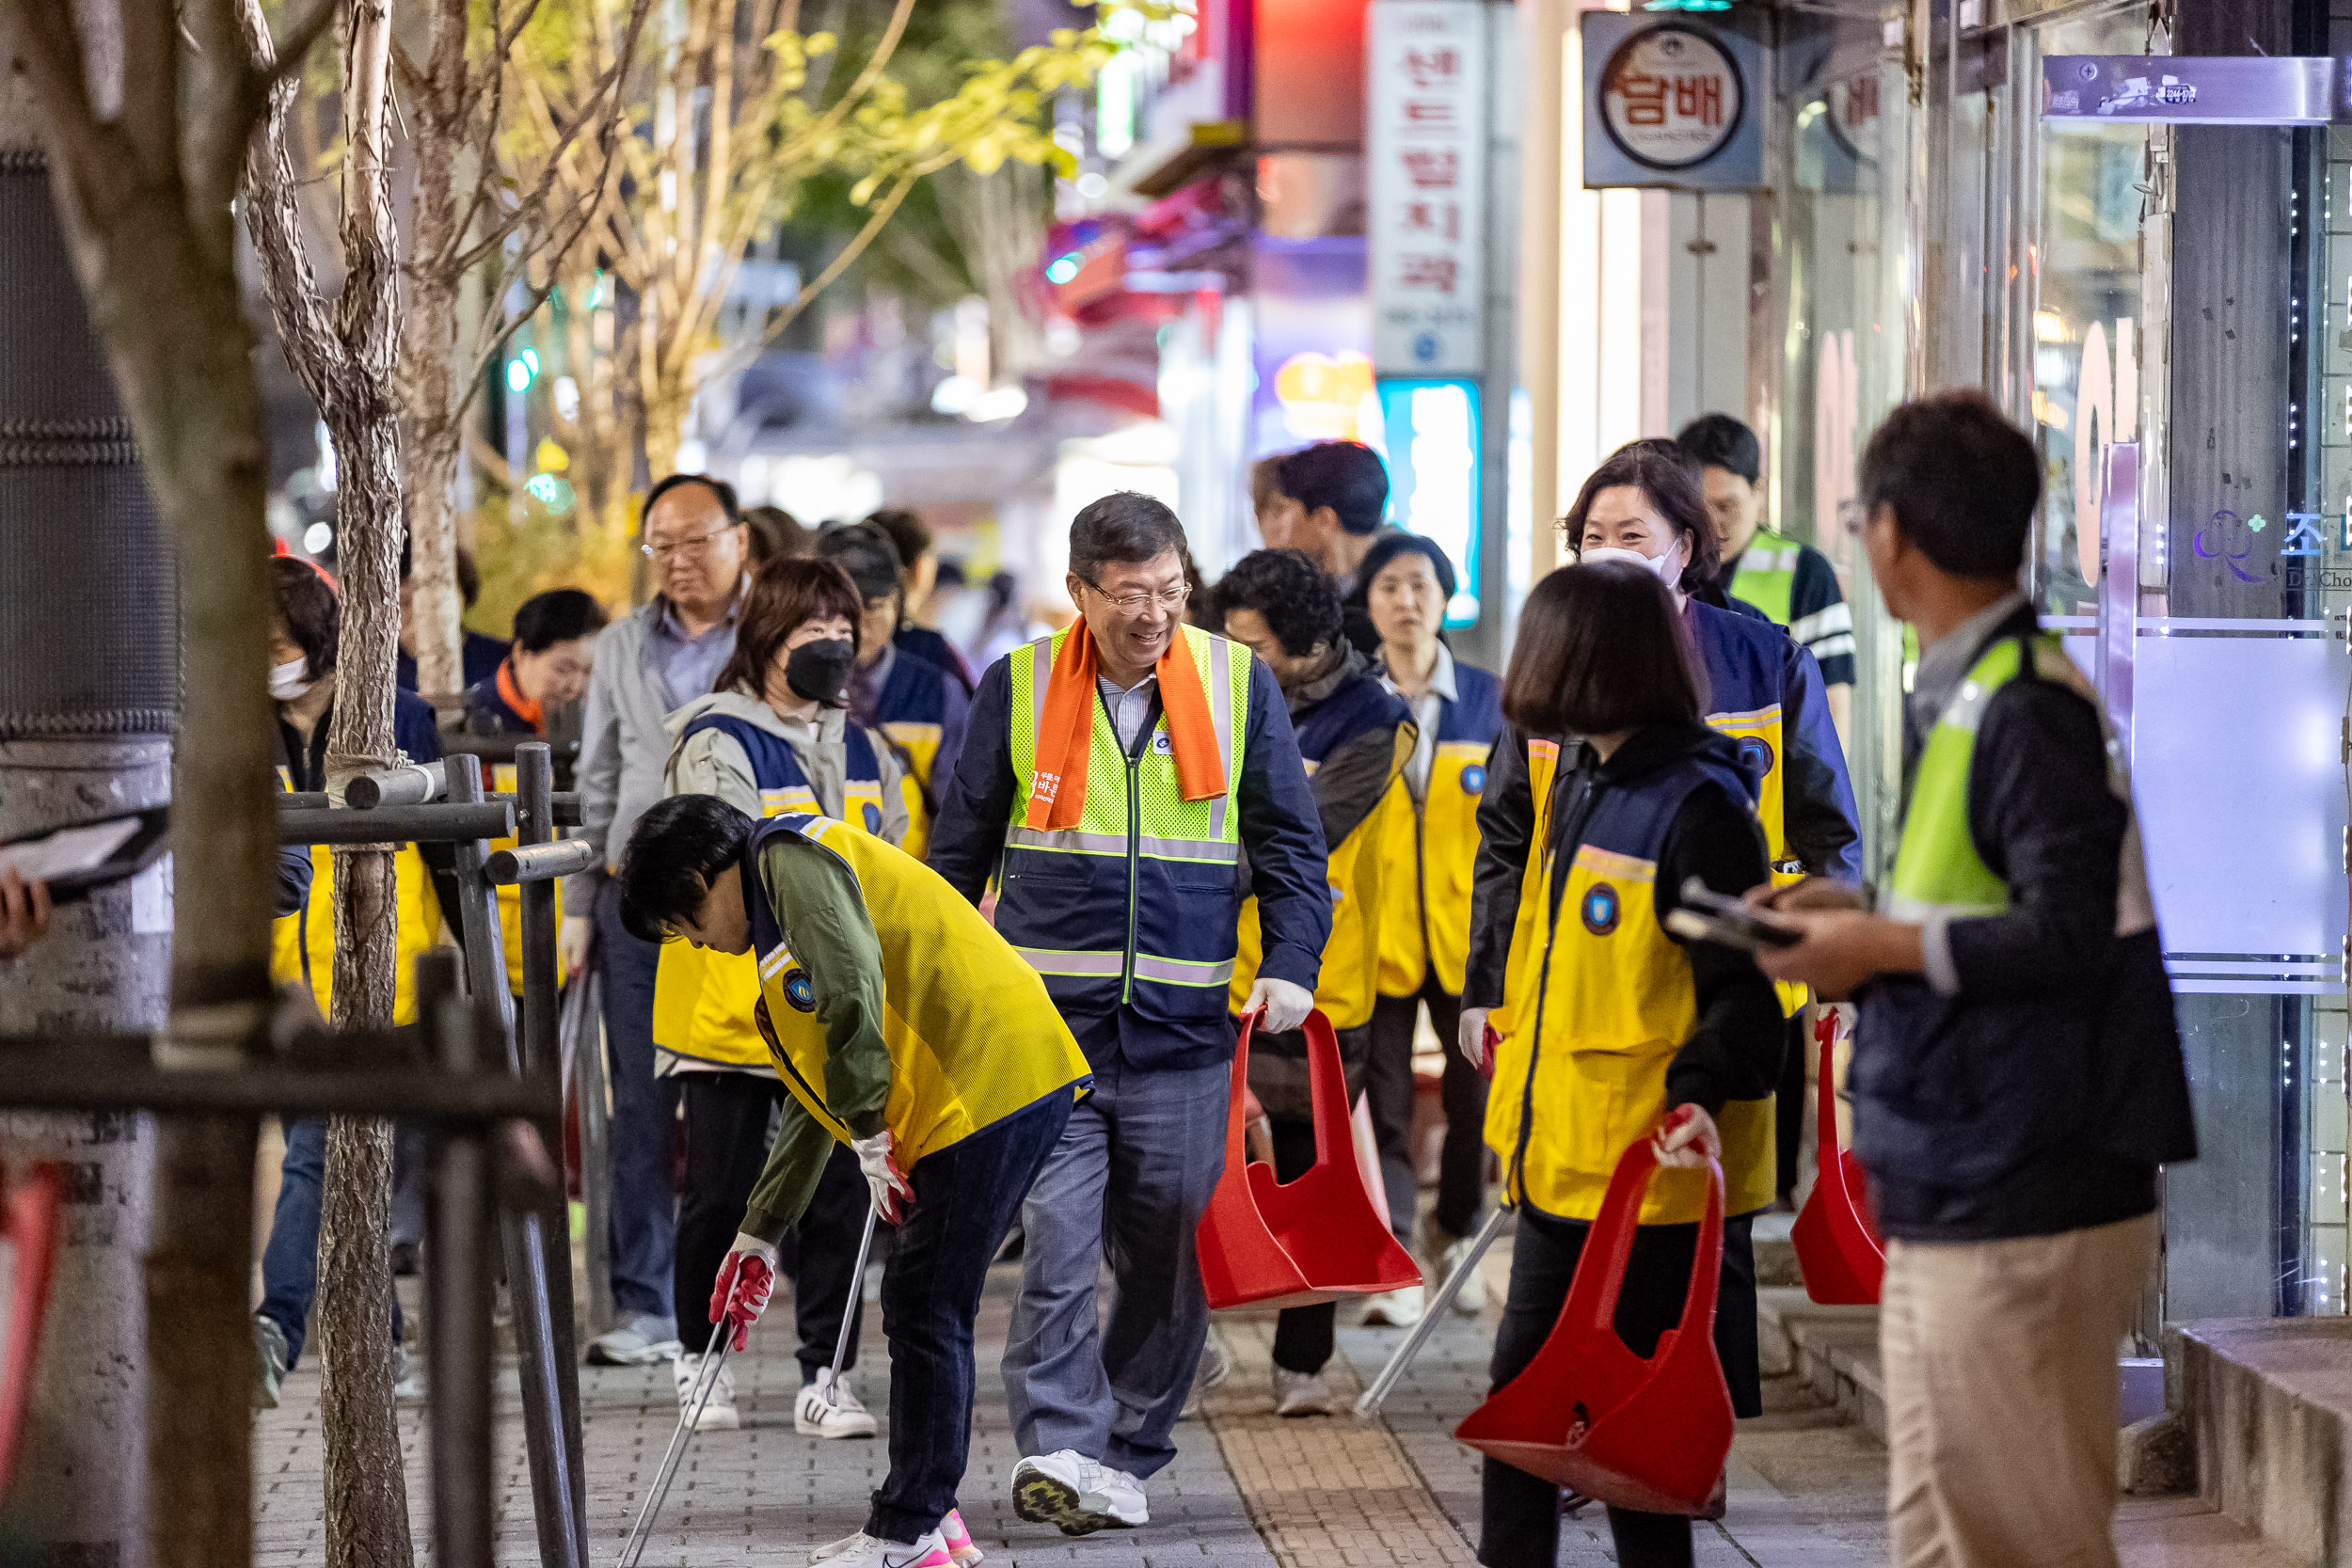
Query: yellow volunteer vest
x,y
973,1036
1597,1004
919,744
1428,860
302,944
702,1000
511,898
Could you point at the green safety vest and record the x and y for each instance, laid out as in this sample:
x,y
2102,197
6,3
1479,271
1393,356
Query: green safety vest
x,y
1136,903
1766,577
1937,868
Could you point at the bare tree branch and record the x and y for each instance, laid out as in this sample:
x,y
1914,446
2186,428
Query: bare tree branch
x,y
272,218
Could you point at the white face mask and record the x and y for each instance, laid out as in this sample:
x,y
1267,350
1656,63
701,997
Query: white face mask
x,y
286,680
1667,567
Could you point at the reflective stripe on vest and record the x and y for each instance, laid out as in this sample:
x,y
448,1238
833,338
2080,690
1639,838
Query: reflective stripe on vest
x,y
1598,1001
1069,899
973,1036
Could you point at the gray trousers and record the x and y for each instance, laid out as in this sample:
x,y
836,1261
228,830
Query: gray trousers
x,y
1126,1185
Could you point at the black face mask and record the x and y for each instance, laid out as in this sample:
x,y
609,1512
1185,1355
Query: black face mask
x,y
820,671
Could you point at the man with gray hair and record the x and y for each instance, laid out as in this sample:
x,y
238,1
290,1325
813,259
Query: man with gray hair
x,y
1130,779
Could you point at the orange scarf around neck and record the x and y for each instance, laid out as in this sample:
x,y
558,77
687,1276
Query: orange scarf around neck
x,y
511,693
1065,732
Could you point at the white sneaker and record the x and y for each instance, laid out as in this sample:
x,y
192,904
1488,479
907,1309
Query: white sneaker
x,y
1216,1364
1076,1495
958,1540
863,1551
1397,1308
1300,1393
839,1416
719,1412
1470,1300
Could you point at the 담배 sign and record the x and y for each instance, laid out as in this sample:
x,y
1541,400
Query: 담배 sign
x,y
1670,102
1426,148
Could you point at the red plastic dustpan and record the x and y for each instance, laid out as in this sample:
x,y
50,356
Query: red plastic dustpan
x,y
1264,1243
29,1219
1839,1249
1648,1434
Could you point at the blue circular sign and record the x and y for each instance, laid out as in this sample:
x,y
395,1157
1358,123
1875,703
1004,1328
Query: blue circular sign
x,y
1473,779
1600,909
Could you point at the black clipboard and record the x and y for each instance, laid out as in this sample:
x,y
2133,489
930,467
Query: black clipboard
x,y
72,858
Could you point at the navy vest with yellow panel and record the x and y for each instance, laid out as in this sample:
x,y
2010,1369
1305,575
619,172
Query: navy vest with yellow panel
x,y
973,1037
1351,957
911,710
1429,845
1598,1001
1134,906
701,1000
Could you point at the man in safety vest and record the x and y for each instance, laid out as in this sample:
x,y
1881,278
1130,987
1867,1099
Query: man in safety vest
x,y
2017,1077
1115,775
937,1057
1789,580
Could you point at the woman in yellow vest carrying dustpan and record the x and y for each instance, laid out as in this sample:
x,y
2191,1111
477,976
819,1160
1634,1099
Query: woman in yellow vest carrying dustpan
x,y
771,738
935,1054
1611,1029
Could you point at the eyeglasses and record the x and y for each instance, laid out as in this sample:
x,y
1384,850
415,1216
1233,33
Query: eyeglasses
x,y
1133,605
676,546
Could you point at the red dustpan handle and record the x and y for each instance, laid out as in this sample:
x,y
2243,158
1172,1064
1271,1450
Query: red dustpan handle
x,y
1593,1294
1326,1089
1234,1156
1825,1036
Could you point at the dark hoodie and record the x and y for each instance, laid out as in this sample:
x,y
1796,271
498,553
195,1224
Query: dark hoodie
x,y
1735,1050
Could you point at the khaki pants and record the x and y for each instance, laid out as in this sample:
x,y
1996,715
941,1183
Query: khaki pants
x,y
2000,1362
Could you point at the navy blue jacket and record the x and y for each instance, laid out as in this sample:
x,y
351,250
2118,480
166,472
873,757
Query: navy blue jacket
x,y
1280,836
486,711
933,648
478,660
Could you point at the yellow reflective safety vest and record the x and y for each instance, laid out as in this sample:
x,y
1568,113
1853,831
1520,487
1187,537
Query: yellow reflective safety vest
x,y
1429,845
1598,1001
1136,903
510,897
1349,979
702,1000
973,1036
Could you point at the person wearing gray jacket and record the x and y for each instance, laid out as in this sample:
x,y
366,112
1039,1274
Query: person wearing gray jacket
x,y
647,665
775,737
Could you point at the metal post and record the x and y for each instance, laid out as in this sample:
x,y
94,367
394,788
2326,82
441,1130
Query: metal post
x,y
542,1051
545,1434
458,1291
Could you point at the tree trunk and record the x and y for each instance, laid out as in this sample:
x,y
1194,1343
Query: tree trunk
x,y
431,428
367,1497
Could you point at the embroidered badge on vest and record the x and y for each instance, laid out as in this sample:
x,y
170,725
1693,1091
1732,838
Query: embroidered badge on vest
x,y
1755,754
1600,909
873,818
796,990
1473,779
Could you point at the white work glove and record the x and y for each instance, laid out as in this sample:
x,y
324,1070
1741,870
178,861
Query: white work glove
x,y
571,942
741,1294
893,1197
1469,1039
1286,1005
1687,1139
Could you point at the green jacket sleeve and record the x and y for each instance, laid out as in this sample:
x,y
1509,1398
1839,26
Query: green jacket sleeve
x,y
824,918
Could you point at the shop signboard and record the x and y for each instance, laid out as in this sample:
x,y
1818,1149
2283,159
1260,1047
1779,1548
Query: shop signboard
x,y
2197,90
1426,146
1671,102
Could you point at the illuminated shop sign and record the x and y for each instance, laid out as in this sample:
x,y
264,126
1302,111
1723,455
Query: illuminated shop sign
x,y
1429,440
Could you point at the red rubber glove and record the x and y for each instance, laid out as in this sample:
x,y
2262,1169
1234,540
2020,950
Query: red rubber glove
x,y
741,1294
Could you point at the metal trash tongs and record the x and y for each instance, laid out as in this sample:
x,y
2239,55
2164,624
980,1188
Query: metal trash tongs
x,y
706,1379
1368,1405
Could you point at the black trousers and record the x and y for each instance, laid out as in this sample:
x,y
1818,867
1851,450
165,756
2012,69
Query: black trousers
x,y
1389,1082
1790,1106
1303,1336
1519,1518
727,1119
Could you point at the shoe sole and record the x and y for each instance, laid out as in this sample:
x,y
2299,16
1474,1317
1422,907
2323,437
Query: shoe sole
x,y
713,1420
1043,1500
810,1429
667,1350
1305,1410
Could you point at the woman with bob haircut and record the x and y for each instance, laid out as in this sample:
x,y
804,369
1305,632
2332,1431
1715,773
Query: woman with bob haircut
x,y
1611,1029
774,736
